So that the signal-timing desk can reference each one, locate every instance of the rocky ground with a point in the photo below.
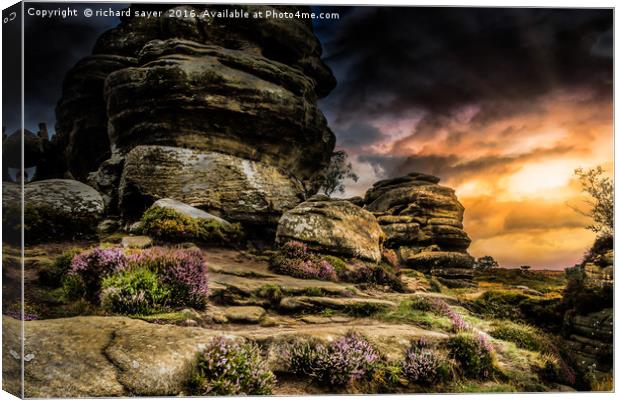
(107, 355)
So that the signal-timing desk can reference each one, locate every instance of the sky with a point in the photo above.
(501, 104)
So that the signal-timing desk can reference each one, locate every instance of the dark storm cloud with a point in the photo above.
(52, 47)
(451, 167)
(358, 135)
(389, 61)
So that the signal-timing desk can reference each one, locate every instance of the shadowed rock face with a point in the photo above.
(424, 222)
(245, 88)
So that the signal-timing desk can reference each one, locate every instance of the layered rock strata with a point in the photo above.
(213, 86)
(423, 221)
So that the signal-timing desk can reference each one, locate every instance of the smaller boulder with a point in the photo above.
(188, 211)
(245, 314)
(333, 226)
(136, 242)
(56, 208)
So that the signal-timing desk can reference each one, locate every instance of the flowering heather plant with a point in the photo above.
(345, 361)
(348, 359)
(304, 359)
(421, 364)
(295, 260)
(474, 353)
(93, 265)
(295, 249)
(183, 270)
(458, 323)
(228, 367)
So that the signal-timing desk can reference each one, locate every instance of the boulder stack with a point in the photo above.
(209, 89)
(423, 221)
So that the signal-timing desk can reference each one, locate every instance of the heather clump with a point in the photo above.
(423, 365)
(346, 361)
(231, 367)
(87, 269)
(183, 270)
(458, 323)
(143, 282)
(474, 353)
(295, 260)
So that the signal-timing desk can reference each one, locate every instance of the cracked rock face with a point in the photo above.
(333, 226)
(246, 89)
(423, 221)
(233, 188)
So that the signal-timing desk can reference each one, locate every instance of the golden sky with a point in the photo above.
(513, 174)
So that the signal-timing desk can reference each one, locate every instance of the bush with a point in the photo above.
(458, 323)
(73, 287)
(422, 365)
(295, 260)
(182, 270)
(305, 359)
(93, 265)
(135, 291)
(343, 362)
(165, 223)
(52, 276)
(227, 367)
(501, 304)
(339, 265)
(524, 336)
(474, 353)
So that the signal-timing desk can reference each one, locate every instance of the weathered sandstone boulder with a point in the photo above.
(333, 226)
(66, 197)
(209, 98)
(248, 89)
(81, 113)
(236, 189)
(55, 208)
(423, 221)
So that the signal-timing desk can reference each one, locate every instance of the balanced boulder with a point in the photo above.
(333, 226)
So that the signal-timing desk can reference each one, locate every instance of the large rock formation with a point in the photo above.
(333, 226)
(233, 188)
(423, 221)
(246, 89)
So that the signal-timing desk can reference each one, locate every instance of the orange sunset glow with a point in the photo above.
(515, 176)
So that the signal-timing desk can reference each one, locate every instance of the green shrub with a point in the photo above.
(339, 265)
(423, 365)
(474, 354)
(228, 367)
(53, 274)
(135, 291)
(165, 223)
(524, 336)
(305, 358)
(73, 287)
(501, 304)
